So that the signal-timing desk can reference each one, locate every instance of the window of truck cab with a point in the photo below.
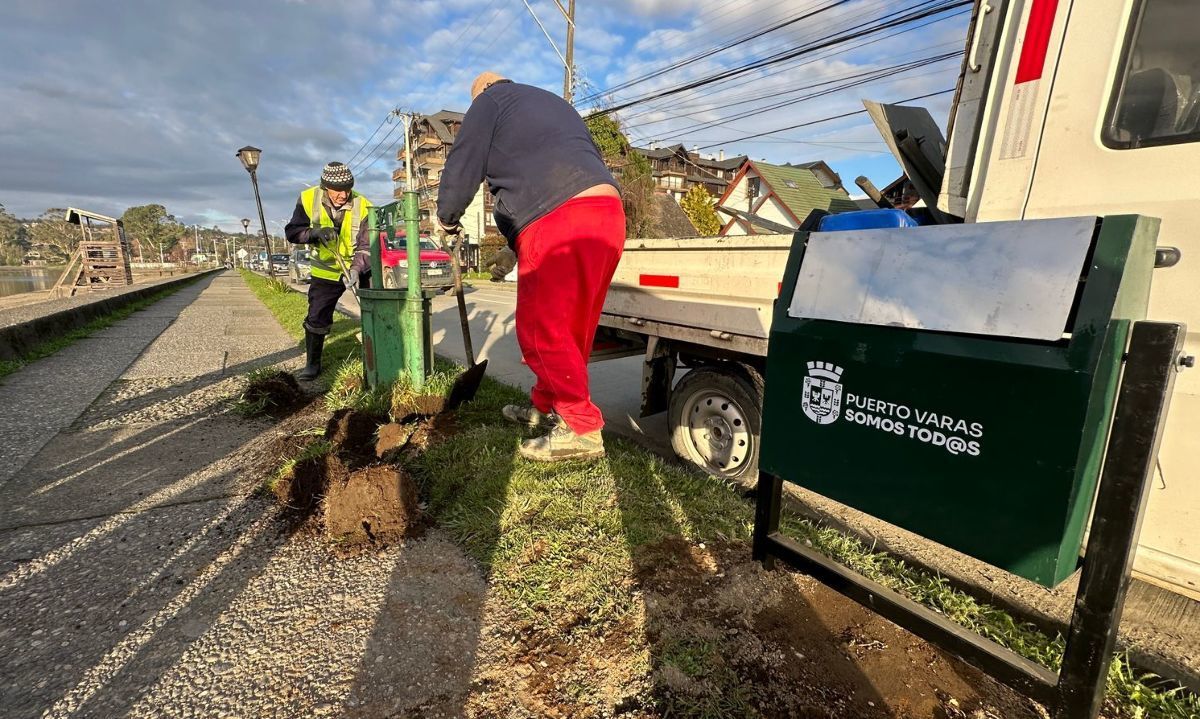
(1156, 98)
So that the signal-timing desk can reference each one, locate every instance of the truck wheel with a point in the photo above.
(715, 417)
(389, 278)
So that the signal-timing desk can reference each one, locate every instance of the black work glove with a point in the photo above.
(322, 235)
(501, 264)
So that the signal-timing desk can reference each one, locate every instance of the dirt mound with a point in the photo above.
(344, 493)
(272, 393)
(309, 482)
(352, 434)
(420, 406)
(392, 438)
(371, 506)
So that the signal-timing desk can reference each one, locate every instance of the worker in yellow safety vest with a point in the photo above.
(332, 218)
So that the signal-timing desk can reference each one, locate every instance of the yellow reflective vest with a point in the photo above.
(322, 259)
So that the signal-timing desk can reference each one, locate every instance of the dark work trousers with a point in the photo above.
(323, 296)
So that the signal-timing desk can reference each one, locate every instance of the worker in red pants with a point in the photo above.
(559, 207)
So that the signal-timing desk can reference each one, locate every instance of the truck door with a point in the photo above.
(1119, 132)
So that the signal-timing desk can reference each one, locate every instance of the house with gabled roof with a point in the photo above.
(782, 195)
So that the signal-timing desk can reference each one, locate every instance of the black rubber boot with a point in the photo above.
(313, 344)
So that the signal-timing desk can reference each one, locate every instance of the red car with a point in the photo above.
(435, 262)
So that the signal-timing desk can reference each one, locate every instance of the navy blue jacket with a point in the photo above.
(533, 149)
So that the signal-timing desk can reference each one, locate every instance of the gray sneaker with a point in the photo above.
(561, 444)
(528, 416)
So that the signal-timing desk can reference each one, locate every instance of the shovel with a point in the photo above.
(353, 290)
(468, 382)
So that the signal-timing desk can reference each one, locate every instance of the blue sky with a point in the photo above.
(110, 105)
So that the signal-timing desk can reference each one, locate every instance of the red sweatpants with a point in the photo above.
(565, 261)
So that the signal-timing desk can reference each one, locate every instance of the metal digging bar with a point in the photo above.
(1077, 690)
(467, 383)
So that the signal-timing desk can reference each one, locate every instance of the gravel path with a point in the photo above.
(141, 576)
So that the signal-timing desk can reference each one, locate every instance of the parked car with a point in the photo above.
(300, 270)
(435, 262)
(279, 263)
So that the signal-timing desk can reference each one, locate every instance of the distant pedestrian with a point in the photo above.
(560, 209)
(331, 217)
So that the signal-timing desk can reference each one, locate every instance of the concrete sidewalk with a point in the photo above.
(142, 576)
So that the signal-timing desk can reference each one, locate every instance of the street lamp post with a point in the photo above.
(249, 156)
(245, 231)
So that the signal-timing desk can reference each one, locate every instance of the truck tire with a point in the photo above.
(715, 417)
(389, 278)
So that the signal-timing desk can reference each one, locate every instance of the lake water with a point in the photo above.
(14, 281)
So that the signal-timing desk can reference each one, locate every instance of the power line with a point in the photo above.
(787, 67)
(721, 48)
(788, 55)
(821, 120)
(362, 163)
(823, 27)
(838, 84)
(368, 140)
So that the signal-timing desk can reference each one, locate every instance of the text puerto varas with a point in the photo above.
(823, 402)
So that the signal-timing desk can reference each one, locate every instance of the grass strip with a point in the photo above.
(291, 307)
(567, 540)
(62, 341)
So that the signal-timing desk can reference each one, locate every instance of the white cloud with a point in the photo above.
(148, 104)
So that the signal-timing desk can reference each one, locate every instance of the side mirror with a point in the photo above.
(1166, 257)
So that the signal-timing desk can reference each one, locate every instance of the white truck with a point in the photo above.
(1063, 108)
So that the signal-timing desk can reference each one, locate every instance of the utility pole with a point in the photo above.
(411, 326)
(569, 70)
(568, 60)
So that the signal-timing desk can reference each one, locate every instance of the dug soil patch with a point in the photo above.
(714, 635)
(274, 392)
(352, 434)
(418, 407)
(344, 494)
(372, 505)
(780, 643)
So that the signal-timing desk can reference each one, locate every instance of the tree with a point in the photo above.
(700, 209)
(52, 235)
(632, 171)
(153, 227)
(13, 241)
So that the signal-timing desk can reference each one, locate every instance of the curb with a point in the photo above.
(19, 339)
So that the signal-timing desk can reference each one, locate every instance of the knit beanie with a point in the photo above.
(336, 176)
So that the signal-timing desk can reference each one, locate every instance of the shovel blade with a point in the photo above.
(466, 386)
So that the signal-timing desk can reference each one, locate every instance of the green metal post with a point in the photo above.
(414, 360)
(376, 260)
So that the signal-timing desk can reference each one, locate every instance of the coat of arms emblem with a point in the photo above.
(822, 400)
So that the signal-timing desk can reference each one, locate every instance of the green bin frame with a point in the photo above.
(1017, 494)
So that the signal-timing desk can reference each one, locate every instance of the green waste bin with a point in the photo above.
(958, 380)
(383, 319)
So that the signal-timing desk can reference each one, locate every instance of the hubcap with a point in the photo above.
(717, 431)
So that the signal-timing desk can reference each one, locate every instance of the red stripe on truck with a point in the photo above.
(658, 280)
(1037, 40)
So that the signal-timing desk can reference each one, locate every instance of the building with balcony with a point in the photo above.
(676, 170)
(432, 139)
